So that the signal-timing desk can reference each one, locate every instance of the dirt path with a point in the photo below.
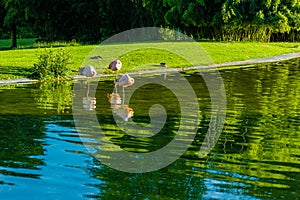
(165, 70)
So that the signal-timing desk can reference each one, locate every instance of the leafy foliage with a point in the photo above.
(93, 21)
(57, 94)
(52, 64)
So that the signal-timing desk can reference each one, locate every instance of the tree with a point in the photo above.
(121, 15)
(94, 20)
(3, 31)
(13, 17)
(235, 20)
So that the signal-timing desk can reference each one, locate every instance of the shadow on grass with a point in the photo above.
(16, 71)
(35, 47)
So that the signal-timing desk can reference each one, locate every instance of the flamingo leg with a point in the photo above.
(123, 96)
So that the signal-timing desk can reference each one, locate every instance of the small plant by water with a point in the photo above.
(52, 64)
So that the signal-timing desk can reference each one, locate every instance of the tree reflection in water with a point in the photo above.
(256, 157)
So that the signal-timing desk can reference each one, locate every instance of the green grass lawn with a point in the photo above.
(18, 63)
(235, 51)
(22, 43)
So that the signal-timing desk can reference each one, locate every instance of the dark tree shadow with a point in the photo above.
(16, 71)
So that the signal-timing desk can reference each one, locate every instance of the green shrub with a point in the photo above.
(52, 64)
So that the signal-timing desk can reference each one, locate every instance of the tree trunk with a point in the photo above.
(14, 36)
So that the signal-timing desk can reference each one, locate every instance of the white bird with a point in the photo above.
(88, 71)
(124, 81)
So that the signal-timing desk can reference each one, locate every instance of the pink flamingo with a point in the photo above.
(124, 81)
(115, 66)
(88, 71)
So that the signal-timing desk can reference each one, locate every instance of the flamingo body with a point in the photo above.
(124, 81)
(115, 65)
(88, 71)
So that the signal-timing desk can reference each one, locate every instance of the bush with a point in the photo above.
(52, 64)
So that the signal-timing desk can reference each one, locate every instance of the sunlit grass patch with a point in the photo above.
(237, 51)
(17, 63)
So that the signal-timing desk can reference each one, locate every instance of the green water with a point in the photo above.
(257, 156)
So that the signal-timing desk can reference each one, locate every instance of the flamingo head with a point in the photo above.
(80, 70)
(130, 82)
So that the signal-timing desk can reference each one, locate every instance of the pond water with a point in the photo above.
(257, 156)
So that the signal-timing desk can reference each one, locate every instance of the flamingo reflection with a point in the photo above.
(118, 107)
(115, 100)
(125, 112)
(89, 102)
(117, 103)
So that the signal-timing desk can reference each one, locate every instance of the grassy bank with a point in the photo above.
(17, 63)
